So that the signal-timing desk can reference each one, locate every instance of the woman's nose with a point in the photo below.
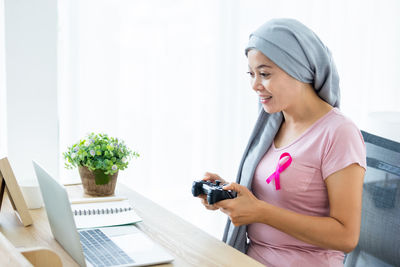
(256, 84)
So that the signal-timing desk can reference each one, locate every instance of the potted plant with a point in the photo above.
(98, 158)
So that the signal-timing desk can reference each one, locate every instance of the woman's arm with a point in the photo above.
(339, 231)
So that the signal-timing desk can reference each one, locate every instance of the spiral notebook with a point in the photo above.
(100, 214)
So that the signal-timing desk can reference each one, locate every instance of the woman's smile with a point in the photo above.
(265, 99)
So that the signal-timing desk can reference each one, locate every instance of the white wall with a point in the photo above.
(173, 84)
(31, 53)
(3, 117)
(31, 80)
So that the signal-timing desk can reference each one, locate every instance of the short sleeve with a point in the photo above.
(345, 147)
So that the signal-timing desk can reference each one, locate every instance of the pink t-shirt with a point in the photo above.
(329, 145)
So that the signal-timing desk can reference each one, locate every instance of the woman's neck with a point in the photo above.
(307, 110)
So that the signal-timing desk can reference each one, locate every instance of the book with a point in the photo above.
(101, 214)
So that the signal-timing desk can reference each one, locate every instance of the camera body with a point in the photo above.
(213, 191)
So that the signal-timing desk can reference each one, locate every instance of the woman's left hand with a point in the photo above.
(243, 209)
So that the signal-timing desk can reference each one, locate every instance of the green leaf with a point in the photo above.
(109, 151)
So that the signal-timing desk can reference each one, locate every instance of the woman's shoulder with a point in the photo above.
(337, 126)
(336, 121)
(343, 143)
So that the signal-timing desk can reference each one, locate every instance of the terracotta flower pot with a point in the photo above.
(95, 182)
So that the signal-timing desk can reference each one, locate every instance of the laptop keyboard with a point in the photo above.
(100, 250)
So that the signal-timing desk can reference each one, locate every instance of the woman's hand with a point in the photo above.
(212, 177)
(243, 209)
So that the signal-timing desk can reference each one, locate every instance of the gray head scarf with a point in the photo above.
(300, 53)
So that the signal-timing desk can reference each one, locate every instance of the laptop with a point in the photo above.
(106, 246)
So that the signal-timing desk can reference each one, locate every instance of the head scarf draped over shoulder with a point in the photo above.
(300, 53)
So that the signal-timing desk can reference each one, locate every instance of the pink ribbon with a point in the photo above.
(279, 169)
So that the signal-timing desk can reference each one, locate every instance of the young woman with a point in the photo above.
(300, 180)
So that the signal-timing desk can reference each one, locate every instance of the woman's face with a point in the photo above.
(277, 90)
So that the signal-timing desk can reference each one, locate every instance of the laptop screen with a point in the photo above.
(59, 213)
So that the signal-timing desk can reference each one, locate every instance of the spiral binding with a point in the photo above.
(101, 211)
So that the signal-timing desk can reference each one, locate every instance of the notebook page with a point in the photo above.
(89, 215)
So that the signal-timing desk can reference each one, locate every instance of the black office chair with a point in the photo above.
(379, 243)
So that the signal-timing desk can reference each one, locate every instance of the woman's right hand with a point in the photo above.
(212, 177)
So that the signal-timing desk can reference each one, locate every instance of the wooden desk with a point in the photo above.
(189, 245)
(37, 234)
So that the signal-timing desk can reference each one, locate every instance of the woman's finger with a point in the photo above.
(208, 206)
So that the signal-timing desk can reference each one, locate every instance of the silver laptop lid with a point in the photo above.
(59, 213)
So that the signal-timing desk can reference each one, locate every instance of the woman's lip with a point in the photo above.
(265, 100)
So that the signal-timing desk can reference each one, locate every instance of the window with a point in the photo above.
(169, 78)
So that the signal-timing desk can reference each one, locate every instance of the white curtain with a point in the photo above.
(3, 96)
(169, 77)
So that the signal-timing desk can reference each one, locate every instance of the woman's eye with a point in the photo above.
(264, 74)
(250, 73)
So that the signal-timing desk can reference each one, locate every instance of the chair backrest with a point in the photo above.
(379, 243)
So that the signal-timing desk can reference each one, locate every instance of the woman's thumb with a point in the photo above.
(233, 186)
